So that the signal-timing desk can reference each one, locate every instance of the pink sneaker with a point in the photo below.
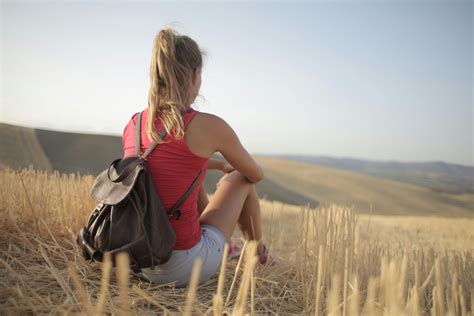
(265, 259)
(233, 252)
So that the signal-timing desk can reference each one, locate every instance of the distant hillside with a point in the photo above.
(438, 175)
(20, 148)
(83, 153)
(366, 193)
(90, 154)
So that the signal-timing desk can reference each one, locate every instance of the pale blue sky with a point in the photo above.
(387, 80)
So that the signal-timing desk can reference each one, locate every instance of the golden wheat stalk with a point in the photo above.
(123, 272)
(237, 268)
(320, 280)
(218, 300)
(250, 261)
(192, 289)
(333, 297)
(346, 281)
(104, 284)
(354, 304)
(80, 289)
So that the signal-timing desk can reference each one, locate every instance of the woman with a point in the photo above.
(192, 138)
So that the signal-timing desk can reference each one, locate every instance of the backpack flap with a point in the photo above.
(115, 183)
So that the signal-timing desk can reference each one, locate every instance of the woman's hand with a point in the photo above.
(227, 168)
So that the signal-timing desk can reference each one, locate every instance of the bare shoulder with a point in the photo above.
(209, 125)
(204, 132)
(204, 119)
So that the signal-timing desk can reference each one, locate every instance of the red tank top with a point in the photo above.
(172, 167)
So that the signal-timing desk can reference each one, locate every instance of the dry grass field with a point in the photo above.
(332, 261)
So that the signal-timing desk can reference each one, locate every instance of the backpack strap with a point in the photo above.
(137, 134)
(175, 210)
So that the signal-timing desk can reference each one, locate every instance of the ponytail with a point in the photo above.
(175, 58)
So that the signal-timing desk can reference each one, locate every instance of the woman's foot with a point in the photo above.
(233, 252)
(264, 258)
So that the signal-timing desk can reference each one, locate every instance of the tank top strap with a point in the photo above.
(188, 117)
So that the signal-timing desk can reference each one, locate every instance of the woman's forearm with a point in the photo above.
(215, 164)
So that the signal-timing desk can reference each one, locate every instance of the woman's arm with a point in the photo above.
(224, 166)
(214, 164)
(228, 144)
(208, 134)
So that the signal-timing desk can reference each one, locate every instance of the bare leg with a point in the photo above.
(235, 200)
(250, 220)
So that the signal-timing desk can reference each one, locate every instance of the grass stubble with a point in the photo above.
(329, 263)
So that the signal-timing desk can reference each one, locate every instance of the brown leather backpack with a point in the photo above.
(130, 216)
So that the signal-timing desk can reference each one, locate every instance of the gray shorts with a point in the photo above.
(179, 267)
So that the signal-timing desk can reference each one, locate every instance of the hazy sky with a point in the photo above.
(388, 80)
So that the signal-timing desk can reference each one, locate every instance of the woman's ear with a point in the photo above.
(196, 74)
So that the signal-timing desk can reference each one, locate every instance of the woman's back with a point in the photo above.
(173, 167)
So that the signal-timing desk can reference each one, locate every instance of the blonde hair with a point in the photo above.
(174, 61)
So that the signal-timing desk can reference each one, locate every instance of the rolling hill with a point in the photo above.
(365, 193)
(83, 153)
(435, 175)
(20, 148)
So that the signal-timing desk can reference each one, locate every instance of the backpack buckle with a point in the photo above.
(176, 214)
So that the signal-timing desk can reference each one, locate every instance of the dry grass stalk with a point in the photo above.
(250, 261)
(192, 288)
(402, 283)
(237, 268)
(333, 297)
(33, 213)
(346, 282)
(218, 300)
(319, 281)
(462, 301)
(354, 301)
(454, 300)
(472, 301)
(439, 302)
(123, 272)
(369, 306)
(252, 293)
(104, 284)
(80, 289)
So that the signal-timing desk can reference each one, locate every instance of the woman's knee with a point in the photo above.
(236, 178)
